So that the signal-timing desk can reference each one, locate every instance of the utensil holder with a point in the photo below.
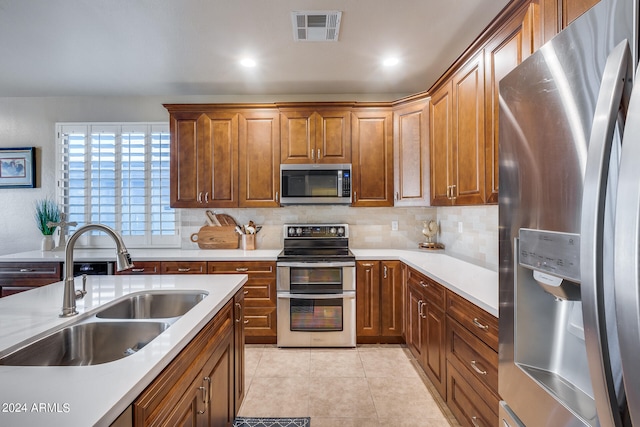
(248, 242)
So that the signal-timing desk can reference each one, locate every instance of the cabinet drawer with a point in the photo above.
(434, 292)
(260, 321)
(31, 271)
(141, 267)
(471, 402)
(260, 292)
(253, 267)
(183, 267)
(479, 322)
(469, 353)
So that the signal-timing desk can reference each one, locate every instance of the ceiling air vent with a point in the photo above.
(316, 25)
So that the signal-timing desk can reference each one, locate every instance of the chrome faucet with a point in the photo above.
(123, 262)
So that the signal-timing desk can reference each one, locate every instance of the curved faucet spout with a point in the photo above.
(123, 262)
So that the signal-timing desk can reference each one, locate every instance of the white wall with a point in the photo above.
(31, 122)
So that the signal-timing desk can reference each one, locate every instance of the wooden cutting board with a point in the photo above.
(223, 237)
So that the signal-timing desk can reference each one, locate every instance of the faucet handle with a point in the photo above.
(83, 292)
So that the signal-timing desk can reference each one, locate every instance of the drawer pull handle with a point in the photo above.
(367, 264)
(480, 325)
(423, 284)
(137, 270)
(184, 270)
(27, 270)
(474, 421)
(242, 269)
(246, 321)
(245, 292)
(474, 365)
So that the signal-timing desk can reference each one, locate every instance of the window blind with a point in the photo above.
(117, 174)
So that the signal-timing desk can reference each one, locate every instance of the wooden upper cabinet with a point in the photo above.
(372, 156)
(411, 154)
(457, 137)
(468, 133)
(502, 54)
(440, 129)
(203, 171)
(315, 136)
(555, 15)
(259, 158)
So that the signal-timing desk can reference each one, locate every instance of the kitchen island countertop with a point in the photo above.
(94, 395)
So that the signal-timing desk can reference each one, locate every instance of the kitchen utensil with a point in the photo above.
(217, 237)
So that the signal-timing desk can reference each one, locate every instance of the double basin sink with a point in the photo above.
(117, 330)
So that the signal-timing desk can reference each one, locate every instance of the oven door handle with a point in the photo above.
(317, 264)
(351, 295)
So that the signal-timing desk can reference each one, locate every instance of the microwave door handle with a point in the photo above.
(592, 232)
(283, 295)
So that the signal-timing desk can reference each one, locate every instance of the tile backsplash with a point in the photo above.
(371, 227)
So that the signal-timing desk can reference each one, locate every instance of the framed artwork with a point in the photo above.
(17, 167)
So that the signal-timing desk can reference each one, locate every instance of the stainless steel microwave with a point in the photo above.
(315, 184)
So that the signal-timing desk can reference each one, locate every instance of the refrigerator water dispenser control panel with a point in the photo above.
(551, 252)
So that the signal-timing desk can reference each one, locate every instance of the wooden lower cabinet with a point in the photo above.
(259, 297)
(22, 276)
(183, 267)
(238, 348)
(472, 363)
(425, 329)
(142, 267)
(379, 302)
(198, 387)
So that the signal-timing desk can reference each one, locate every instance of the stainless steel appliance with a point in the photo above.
(316, 287)
(568, 219)
(303, 184)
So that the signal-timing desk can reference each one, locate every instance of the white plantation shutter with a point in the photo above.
(117, 175)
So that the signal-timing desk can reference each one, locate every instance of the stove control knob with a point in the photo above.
(292, 231)
(332, 230)
(340, 231)
(299, 231)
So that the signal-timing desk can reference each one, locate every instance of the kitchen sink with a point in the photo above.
(89, 343)
(152, 305)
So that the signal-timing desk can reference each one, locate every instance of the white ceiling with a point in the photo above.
(192, 47)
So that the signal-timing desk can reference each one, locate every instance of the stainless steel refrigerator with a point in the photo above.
(569, 228)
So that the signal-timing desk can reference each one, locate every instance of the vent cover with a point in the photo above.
(316, 25)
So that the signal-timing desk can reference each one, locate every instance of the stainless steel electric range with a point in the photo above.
(316, 287)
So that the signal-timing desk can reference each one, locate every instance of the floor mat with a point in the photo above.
(271, 422)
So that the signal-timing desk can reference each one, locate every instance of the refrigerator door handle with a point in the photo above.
(592, 233)
(627, 256)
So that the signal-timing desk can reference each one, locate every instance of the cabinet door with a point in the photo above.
(368, 299)
(391, 300)
(259, 154)
(502, 54)
(411, 155)
(372, 154)
(218, 377)
(297, 136)
(415, 325)
(184, 162)
(435, 346)
(572, 9)
(220, 153)
(238, 348)
(468, 133)
(333, 136)
(440, 114)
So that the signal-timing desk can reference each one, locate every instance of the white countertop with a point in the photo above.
(94, 395)
(477, 284)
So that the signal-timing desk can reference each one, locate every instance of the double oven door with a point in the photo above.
(316, 304)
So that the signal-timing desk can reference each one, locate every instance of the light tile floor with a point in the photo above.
(371, 385)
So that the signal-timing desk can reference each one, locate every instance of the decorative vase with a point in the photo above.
(47, 243)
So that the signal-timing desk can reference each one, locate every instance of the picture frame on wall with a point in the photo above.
(17, 167)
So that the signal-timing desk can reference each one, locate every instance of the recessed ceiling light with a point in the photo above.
(248, 62)
(390, 62)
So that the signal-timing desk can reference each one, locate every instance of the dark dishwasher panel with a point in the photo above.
(100, 268)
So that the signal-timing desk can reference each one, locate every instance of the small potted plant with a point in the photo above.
(46, 211)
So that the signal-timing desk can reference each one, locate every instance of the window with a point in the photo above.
(117, 175)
